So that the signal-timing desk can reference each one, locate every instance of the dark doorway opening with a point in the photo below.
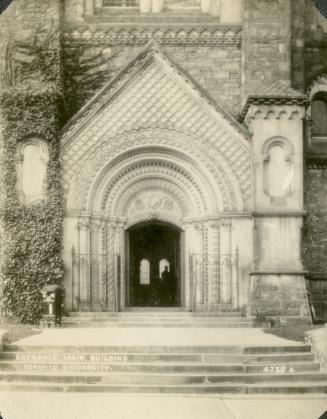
(154, 266)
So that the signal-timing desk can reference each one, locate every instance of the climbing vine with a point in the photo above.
(32, 242)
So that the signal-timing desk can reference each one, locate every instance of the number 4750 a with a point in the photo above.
(280, 369)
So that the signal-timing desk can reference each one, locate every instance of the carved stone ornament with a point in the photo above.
(161, 126)
(189, 35)
(154, 201)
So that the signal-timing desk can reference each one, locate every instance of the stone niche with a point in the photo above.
(31, 167)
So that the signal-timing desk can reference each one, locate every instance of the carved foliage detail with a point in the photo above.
(153, 201)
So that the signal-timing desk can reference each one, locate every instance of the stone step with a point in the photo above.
(154, 357)
(161, 349)
(161, 322)
(160, 368)
(264, 388)
(167, 358)
(214, 324)
(164, 314)
(158, 322)
(158, 379)
(153, 319)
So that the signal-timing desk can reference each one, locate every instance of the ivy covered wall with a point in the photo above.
(31, 105)
(33, 232)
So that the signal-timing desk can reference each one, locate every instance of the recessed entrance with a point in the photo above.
(154, 255)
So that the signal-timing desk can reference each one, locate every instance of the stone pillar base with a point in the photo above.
(279, 296)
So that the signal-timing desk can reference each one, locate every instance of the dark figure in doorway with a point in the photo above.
(167, 291)
(58, 304)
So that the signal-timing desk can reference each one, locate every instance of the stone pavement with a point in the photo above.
(138, 336)
(126, 406)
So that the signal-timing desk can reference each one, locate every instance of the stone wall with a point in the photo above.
(283, 296)
(309, 44)
(29, 32)
(315, 238)
(215, 69)
(266, 44)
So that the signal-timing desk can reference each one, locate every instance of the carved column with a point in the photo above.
(121, 270)
(214, 267)
(187, 271)
(112, 285)
(96, 267)
(225, 269)
(84, 263)
(200, 268)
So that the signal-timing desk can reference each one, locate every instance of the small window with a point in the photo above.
(319, 114)
(162, 266)
(145, 272)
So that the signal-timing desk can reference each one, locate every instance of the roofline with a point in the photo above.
(108, 86)
(143, 55)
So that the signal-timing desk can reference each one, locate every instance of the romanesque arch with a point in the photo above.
(157, 152)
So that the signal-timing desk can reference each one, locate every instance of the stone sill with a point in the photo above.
(279, 272)
(285, 213)
(317, 276)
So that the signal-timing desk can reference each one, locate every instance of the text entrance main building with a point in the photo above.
(176, 141)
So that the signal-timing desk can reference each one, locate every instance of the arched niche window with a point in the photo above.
(278, 169)
(162, 266)
(31, 167)
(319, 114)
(144, 272)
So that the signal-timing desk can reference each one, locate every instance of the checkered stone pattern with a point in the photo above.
(154, 99)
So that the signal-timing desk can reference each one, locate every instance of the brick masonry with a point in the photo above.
(266, 44)
(316, 205)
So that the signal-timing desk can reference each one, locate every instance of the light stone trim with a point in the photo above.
(217, 35)
(43, 148)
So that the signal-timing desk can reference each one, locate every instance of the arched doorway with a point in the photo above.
(154, 265)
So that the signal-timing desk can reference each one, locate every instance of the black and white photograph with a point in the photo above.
(163, 209)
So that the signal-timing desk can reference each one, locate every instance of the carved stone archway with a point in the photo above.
(149, 145)
(144, 184)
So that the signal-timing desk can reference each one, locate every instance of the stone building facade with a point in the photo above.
(194, 139)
